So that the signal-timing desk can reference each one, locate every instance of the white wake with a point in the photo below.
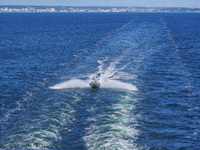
(106, 77)
(105, 83)
(73, 83)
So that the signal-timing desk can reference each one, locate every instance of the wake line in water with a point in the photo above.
(114, 130)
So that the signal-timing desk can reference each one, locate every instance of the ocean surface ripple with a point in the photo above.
(147, 64)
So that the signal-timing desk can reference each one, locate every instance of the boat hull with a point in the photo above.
(94, 86)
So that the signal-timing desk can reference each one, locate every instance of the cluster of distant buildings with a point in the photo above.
(92, 9)
(30, 9)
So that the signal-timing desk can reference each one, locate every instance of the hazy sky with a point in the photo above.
(147, 3)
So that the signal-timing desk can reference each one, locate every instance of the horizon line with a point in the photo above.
(100, 6)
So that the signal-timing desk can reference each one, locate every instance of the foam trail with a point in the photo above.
(106, 78)
(107, 82)
(74, 83)
(115, 84)
(114, 130)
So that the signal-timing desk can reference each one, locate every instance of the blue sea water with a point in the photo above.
(147, 64)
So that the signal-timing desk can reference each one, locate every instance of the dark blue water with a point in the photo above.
(147, 64)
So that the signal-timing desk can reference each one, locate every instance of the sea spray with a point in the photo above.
(105, 77)
(74, 83)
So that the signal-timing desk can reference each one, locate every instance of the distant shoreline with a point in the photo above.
(74, 9)
(89, 12)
